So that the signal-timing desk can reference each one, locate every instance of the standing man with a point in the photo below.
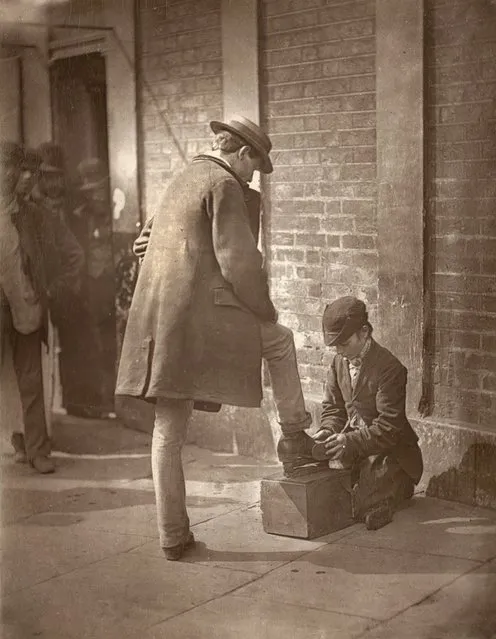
(27, 181)
(201, 319)
(22, 318)
(39, 261)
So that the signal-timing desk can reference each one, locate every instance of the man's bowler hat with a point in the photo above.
(32, 160)
(252, 134)
(92, 173)
(52, 158)
(342, 318)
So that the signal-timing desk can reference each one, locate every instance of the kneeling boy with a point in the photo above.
(364, 426)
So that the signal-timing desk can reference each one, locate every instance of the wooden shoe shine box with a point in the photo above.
(307, 507)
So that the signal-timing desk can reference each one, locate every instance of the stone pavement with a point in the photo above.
(80, 557)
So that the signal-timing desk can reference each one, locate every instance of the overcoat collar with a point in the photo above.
(223, 164)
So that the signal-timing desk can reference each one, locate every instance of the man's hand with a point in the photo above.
(141, 244)
(335, 445)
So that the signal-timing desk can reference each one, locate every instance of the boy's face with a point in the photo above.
(352, 347)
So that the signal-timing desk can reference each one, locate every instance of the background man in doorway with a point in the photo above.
(201, 319)
(91, 223)
(80, 367)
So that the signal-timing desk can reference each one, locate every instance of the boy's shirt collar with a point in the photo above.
(357, 361)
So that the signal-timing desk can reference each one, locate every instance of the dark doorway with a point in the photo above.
(88, 360)
(79, 99)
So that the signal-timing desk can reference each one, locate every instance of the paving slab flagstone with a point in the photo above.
(242, 618)
(117, 598)
(465, 609)
(32, 553)
(81, 557)
(237, 541)
(436, 527)
(370, 582)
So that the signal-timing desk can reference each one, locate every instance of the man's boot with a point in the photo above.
(295, 452)
(42, 464)
(17, 441)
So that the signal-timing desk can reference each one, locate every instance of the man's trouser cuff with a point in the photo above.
(289, 428)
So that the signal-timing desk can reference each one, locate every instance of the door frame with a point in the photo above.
(116, 44)
(113, 36)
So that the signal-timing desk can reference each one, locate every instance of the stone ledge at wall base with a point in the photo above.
(306, 507)
(135, 413)
(459, 462)
(252, 432)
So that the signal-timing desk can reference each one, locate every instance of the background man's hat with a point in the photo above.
(11, 154)
(252, 134)
(342, 318)
(92, 173)
(52, 158)
(32, 160)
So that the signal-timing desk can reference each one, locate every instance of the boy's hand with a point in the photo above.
(336, 446)
(323, 435)
(333, 444)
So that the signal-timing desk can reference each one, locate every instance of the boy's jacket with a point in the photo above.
(379, 399)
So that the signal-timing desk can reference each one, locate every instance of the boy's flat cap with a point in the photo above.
(342, 318)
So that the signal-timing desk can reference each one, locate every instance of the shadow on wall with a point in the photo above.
(473, 481)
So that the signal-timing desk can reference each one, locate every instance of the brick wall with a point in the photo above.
(318, 104)
(181, 61)
(461, 178)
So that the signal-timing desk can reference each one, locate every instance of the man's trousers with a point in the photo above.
(26, 355)
(171, 424)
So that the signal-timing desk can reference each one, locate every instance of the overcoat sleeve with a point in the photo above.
(386, 429)
(334, 415)
(235, 248)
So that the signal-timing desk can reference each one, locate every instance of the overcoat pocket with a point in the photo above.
(225, 297)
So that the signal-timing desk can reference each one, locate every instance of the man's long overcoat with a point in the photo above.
(194, 325)
(52, 258)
